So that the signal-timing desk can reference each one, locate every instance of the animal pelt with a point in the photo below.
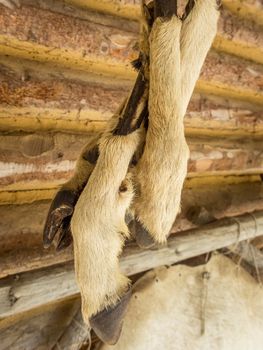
(217, 306)
(98, 225)
(177, 53)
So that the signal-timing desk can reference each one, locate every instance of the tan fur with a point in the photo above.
(163, 167)
(198, 32)
(98, 225)
(178, 309)
(83, 168)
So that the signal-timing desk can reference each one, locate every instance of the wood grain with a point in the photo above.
(21, 247)
(22, 293)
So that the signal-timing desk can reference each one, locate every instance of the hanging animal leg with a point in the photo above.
(166, 153)
(198, 32)
(98, 223)
(99, 229)
(62, 206)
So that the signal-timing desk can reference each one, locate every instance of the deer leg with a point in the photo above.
(159, 193)
(62, 206)
(198, 32)
(163, 129)
(98, 223)
(129, 118)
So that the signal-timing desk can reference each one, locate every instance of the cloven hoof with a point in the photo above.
(142, 235)
(107, 324)
(60, 210)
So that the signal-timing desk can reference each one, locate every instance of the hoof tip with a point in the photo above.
(142, 235)
(107, 324)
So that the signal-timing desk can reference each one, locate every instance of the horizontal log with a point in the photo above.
(21, 293)
(30, 161)
(21, 232)
(91, 45)
(251, 10)
(39, 98)
(235, 34)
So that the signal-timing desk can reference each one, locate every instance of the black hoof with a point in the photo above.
(61, 207)
(107, 324)
(142, 235)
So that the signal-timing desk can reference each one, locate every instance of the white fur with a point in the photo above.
(177, 53)
(177, 309)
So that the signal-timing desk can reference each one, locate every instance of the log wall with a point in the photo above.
(64, 69)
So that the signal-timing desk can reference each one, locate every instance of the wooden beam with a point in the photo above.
(40, 161)
(40, 97)
(22, 293)
(238, 36)
(21, 247)
(39, 331)
(95, 46)
(250, 10)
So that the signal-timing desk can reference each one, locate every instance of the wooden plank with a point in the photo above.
(40, 161)
(34, 97)
(34, 289)
(39, 331)
(21, 246)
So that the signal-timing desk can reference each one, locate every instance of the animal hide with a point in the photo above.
(217, 306)
(177, 53)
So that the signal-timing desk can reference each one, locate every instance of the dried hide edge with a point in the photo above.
(177, 53)
(98, 225)
(217, 306)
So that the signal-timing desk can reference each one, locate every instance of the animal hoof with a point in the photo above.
(65, 236)
(142, 235)
(60, 211)
(107, 324)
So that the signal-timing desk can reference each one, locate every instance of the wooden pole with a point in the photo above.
(37, 289)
